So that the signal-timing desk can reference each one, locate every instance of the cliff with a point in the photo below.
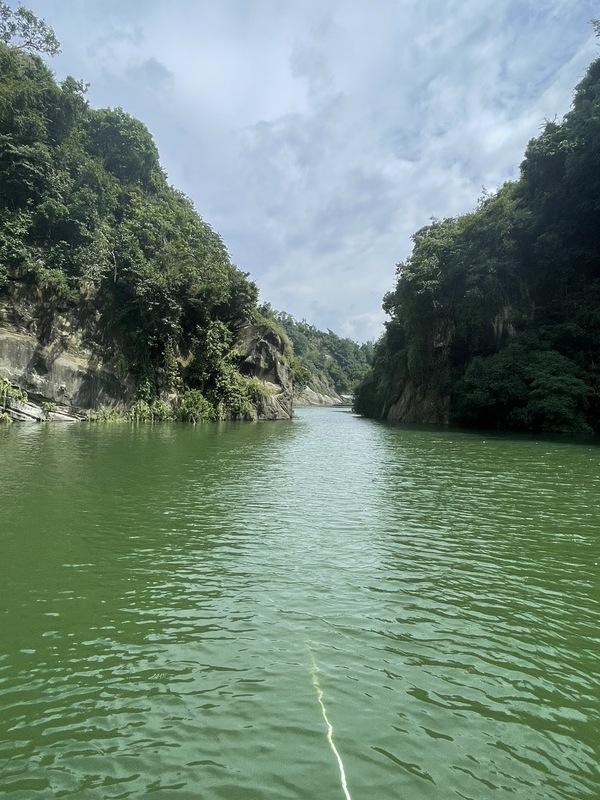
(69, 364)
(318, 391)
(262, 353)
(495, 316)
(115, 294)
(57, 353)
(327, 367)
(312, 397)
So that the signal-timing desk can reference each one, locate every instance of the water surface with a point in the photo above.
(170, 596)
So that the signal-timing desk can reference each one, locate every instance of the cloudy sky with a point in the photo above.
(316, 136)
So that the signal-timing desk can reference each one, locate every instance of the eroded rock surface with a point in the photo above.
(65, 358)
(309, 397)
(263, 356)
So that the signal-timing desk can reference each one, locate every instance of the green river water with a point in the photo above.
(179, 608)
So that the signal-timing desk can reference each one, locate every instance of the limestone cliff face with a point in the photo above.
(262, 353)
(312, 397)
(65, 356)
(423, 395)
(319, 391)
(58, 354)
(426, 398)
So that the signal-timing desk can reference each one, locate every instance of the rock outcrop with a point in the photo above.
(58, 372)
(263, 356)
(310, 397)
(55, 354)
(319, 391)
(68, 364)
(421, 404)
(41, 411)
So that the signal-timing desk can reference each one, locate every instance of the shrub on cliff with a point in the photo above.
(194, 407)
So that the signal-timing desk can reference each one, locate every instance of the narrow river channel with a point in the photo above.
(321, 609)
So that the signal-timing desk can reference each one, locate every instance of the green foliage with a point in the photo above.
(154, 411)
(48, 408)
(266, 316)
(107, 414)
(245, 397)
(10, 392)
(214, 371)
(301, 374)
(255, 390)
(523, 388)
(375, 392)
(320, 357)
(25, 31)
(194, 407)
(123, 145)
(499, 309)
(88, 221)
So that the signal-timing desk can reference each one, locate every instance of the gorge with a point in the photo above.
(218, 578)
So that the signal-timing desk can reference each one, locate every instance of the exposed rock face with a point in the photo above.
(29, 411)
(420, 404)
(72, 377)
(319, 392)
(424, 398)
(309, 397)
(428, 400)
(64, 357)
(263, 357)
(51, 353)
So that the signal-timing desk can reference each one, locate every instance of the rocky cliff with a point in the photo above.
(319, 391)
(57, 353)
(263, 357)
(327, 366)
(494, 319)
(114, 292)
(420, 404)
(68, 363)
(311, 397)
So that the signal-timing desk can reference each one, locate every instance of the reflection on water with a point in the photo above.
(162, 590)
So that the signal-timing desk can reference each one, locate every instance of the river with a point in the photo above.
(321, 609)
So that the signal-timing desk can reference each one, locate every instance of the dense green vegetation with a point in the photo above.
(323, 359)
(8, 392)
(88, 220)
(495, 318)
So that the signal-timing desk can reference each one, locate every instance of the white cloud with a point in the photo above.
(317, 137)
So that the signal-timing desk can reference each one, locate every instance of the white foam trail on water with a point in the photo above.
(317, 685)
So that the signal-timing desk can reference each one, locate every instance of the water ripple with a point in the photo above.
(161, 585)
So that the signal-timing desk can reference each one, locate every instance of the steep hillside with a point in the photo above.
(327, 366)
(113, 290)
(495, 318)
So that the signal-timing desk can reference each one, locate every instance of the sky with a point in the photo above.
(317, 136)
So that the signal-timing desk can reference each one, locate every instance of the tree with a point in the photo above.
(24, 31)
(324, 361)
(495, 316)
(88, 220)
